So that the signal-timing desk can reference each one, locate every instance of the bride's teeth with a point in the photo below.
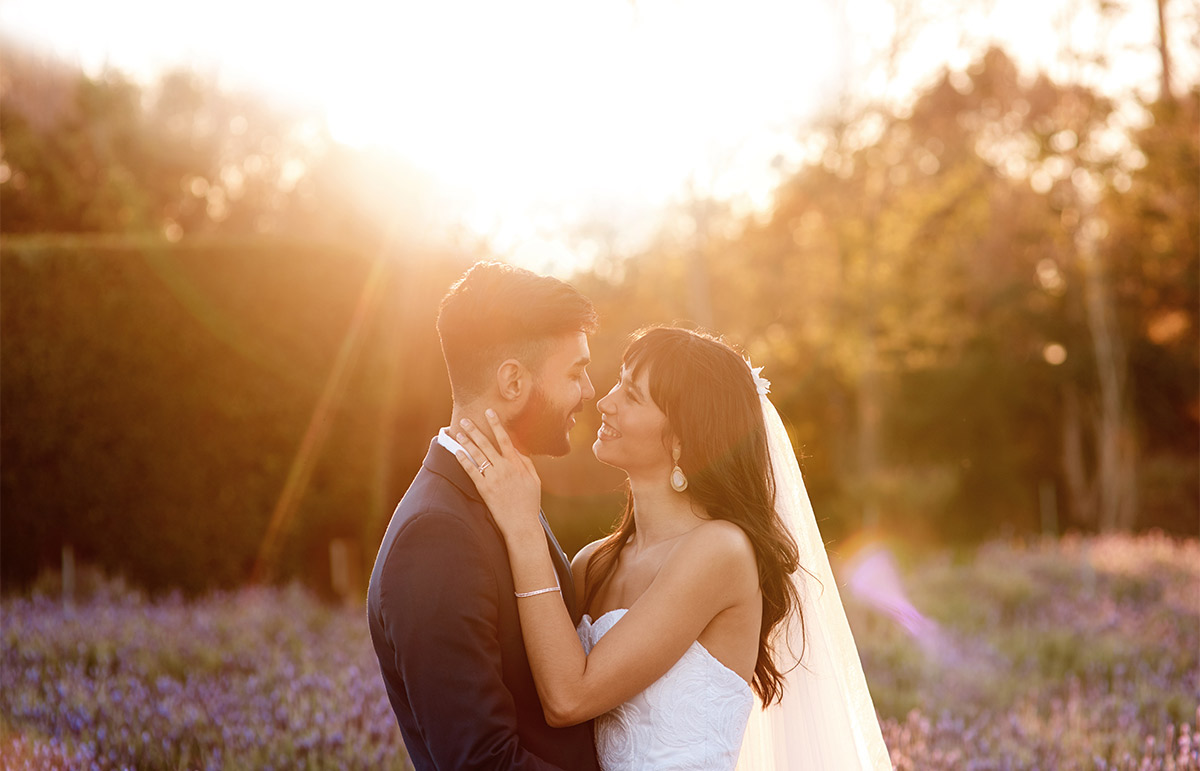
(608, 432)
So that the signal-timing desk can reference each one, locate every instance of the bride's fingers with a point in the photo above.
(468, 465)
(502, 441)
(476, 455)
(480, 439)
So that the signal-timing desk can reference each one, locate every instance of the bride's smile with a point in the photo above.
(633, 433)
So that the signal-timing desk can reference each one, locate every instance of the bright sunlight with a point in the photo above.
(536, 118)
(532, 114)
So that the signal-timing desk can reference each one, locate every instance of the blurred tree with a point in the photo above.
(1086, 162)
(928, 294)
(103, 155)
(1152, 243)
(906, 252)
(63, 136)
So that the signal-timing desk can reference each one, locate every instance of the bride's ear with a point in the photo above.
(512, 380)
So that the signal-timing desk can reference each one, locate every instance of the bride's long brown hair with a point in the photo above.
(709, 396)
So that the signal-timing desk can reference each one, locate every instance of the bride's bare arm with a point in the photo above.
(705, 575)
(711, 570)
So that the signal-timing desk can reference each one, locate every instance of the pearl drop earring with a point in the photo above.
(678, 480)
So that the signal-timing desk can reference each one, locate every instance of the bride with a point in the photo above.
(714, 591)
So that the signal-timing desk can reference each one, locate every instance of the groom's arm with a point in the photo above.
(438, 599)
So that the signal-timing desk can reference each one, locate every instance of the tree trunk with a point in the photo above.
(1115, 457)
(1165, 90)
(1081, 496)
(869, 409)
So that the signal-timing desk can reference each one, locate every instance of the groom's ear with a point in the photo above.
(512, 380)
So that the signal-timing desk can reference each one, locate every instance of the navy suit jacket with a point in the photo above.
(445, 627)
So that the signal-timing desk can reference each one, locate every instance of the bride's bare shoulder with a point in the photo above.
(717, 547)
(723, 536)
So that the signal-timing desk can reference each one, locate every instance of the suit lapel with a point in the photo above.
(440, 461)
(562, 566)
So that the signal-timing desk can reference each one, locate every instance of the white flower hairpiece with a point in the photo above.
(761, 384)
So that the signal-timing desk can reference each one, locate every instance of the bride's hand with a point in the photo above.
(505, 478)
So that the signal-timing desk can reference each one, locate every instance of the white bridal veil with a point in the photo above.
(826, 721)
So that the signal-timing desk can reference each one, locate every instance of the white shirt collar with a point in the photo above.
(447, 441)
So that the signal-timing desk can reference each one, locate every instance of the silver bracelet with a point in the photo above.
(536, 592)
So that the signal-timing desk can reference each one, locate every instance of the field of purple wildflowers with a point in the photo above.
(1077, 653)
(258, 679)
(1080, 653)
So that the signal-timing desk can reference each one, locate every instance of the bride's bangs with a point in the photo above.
(658, 349)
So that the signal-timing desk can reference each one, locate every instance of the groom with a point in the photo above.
(441, 604)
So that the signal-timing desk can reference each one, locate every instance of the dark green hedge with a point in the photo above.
(154, 397)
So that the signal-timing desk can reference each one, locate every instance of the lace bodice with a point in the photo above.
(693, 717)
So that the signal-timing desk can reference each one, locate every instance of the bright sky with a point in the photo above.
(538, 115)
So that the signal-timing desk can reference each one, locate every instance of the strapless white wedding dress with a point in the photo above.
(693, 717)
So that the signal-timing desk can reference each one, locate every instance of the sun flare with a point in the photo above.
(517, 106)
(530, 114)
(535, 118)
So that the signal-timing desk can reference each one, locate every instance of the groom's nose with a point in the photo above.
(589, 391)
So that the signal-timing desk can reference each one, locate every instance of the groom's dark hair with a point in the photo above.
(497, 312)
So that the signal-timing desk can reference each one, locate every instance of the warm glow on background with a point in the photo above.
(537, 117)
(961, 236)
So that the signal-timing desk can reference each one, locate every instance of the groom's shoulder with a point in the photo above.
(433, 518)
(433, 496)
(436, 504)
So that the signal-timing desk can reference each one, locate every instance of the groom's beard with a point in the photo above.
(541, 427)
